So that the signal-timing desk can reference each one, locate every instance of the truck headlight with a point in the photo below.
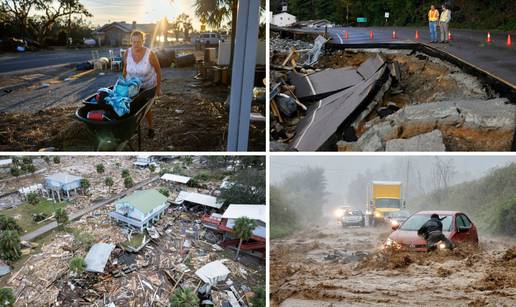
(394, 223)
(442, 246)
(377, 214)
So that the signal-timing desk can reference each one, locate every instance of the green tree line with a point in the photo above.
(473, 14)
(297, 201)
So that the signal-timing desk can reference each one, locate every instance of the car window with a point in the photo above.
(416, 221)
(459, 222)
(462, 221)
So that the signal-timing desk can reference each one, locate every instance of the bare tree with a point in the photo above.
(442, 174)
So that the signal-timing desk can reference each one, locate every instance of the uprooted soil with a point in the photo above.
(423, 80)
(304, 274)
(190, 116)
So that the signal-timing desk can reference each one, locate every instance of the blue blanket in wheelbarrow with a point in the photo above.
(121, 96)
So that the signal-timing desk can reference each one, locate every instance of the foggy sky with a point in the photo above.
(340, 170)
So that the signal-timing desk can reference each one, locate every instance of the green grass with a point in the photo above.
(281, 231)
(23, 213)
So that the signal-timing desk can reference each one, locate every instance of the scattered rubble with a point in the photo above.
(174, 249)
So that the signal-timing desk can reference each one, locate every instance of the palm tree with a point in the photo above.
(100, 168)
(61, 217)
(109, 183)
(9, 223)
(6, 297)
(32, 198)
(10, 245)
(243, 228)
(215, 11)
(184, 298)
(85, 185)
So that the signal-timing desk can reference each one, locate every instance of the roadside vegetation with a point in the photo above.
(490, 201)
(471, 14)
(297, 201)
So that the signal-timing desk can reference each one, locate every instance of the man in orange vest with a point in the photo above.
(433, 17)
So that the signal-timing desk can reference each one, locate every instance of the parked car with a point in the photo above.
(209, 38)
(353, 217)
(457, 227)
(396, 217)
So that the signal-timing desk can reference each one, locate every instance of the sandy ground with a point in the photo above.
(335, 266)
(190, 116)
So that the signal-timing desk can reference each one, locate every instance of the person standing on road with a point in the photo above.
(433, 17)
(444, 22)
(141, 62)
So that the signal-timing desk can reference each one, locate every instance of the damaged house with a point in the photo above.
(59, 185)
(144, 161)
(197, 201)
(140, 209)
(177, 181)
(224, 224)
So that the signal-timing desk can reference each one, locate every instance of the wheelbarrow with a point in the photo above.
(115, 134)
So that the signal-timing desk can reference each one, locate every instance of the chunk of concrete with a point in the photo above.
(432, 141)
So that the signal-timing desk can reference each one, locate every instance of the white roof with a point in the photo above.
(255, 212)
(32, 188)
(283, 13)
(6, 162)
(98, 256)
(197, 198)
(63, 178)
(386, 182)
(175, 178)
(213, 272)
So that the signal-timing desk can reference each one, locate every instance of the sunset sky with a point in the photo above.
(141, 11)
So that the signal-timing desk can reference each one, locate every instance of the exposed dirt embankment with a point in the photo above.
(332, 266)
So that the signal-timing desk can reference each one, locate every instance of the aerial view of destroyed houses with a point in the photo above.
(366, 76)
(130, 75)
(132, 231)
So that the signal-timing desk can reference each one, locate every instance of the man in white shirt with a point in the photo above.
(444, 21)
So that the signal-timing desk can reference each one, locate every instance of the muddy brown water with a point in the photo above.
(301, 276)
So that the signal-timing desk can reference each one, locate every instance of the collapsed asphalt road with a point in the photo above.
(334, 266)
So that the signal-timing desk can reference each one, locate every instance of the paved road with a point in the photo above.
(16, 62)
(495, 58)
(53, 225)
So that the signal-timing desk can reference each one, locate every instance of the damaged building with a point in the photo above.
(59, 185)
(140, 209)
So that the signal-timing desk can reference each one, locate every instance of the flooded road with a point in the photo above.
(334, 266)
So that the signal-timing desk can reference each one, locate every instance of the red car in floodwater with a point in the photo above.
(457, 227)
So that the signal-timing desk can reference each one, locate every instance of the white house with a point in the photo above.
(144, 161)
(140, 209)
(283, 19)
(61, 183)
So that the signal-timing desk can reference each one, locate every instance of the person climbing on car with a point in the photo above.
(432, 232)
(142, 63)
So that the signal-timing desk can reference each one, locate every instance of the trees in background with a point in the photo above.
(42, 19)
(475, 14)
